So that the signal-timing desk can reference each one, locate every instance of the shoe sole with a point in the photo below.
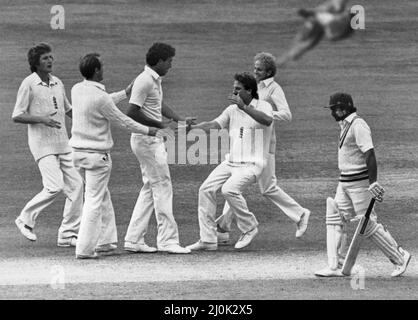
(64, 245)
(86, 257)
(239, 248)
(329, 276)
(178, 252)
(172, 252)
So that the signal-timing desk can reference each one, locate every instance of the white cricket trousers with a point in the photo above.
(267, 183)
(156, 193)
(352, 199)
(58, 175)
(232, 180)
(98, 226)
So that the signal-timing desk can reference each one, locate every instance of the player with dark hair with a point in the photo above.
(330, 20)
(94, 111)
(159, 51)
(42, 104)
(249, 126)
(89, 64)
(269, 90)
(357, 184)
(146, 106)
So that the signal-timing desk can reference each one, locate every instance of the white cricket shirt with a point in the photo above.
(37, 98)
(249, 140)
(358, 140)
(147, 93)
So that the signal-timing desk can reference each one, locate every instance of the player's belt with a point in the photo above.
(355, 176)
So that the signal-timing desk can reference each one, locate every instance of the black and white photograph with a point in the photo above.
(228, 151)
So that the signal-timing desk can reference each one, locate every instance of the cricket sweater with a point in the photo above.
(93, 112)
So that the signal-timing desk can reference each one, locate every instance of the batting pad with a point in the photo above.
(333, 216)
(334, 236)
(385, 242)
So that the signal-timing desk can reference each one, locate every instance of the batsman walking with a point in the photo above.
(357, 185)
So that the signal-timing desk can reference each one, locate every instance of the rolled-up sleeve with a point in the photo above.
(224, 117)
(22, 100)
(363, 135)
(140, 91)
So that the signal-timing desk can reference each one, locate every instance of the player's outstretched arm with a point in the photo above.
(171, 114)
(136, 114)
(121, 95)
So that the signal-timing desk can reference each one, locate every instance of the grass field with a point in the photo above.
(214, 40)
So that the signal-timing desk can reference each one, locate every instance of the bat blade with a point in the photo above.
(355, 244)
(354, 249)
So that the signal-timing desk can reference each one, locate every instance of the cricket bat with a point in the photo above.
(355, 244)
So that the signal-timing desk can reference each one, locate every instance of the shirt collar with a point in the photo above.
(153, 74)
(350, 118)
(347, 120)
(94, 84)
(267, 82)
(38, 80)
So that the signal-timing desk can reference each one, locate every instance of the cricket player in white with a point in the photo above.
(270, 91)
(250, 130)
(94, 111)
(147, 106)
(358, 183)
(42, 104)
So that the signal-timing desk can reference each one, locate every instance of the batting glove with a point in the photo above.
(377, 191)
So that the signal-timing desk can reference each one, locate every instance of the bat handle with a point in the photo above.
(370, 208)
(367, 215)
